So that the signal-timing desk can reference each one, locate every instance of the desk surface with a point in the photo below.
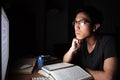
(17, 76)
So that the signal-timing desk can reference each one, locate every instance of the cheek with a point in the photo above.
(85, 32)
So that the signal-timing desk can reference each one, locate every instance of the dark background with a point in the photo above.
(45, 26)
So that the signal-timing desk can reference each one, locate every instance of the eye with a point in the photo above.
(82, 22)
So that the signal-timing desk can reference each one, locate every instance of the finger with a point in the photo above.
(74, 42)
(78, 41)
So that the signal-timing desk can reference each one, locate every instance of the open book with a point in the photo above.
(65, 71)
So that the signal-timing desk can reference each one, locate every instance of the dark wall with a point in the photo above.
(37, 26)
(110, 10)
(56, 23)
(22, 27)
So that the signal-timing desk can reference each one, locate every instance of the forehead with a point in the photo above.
(81, 15)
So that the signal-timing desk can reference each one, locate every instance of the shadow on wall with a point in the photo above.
(61, 49)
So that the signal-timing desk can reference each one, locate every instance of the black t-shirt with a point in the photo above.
(105, 48)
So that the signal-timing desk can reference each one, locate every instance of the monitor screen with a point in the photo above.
(4, 43)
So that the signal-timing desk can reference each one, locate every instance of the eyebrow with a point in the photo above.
(84, 19)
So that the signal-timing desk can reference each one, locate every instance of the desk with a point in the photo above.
(17, 76)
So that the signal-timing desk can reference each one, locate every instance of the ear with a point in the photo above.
(96, 27)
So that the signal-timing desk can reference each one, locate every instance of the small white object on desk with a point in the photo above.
(40, 78)
(25, 66)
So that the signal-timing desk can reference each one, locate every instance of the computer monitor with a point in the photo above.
(4, 34)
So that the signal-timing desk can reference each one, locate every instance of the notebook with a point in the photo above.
(65, 71)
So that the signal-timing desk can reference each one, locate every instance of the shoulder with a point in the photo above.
(106, 38)
(106, 41)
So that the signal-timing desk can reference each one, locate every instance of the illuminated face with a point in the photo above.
(82, 26)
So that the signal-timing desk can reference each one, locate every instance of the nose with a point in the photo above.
(77, 26)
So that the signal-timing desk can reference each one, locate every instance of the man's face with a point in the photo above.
(82, 26)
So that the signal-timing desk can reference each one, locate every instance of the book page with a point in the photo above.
(71, 73)
(43, 73)
(57, 66)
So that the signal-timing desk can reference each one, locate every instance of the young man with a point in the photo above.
(95, 53)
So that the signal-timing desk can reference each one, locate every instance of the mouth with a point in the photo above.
(77, 33)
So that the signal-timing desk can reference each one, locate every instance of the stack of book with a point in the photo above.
(64, 71)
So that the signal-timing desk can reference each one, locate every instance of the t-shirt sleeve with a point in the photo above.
(110, 49)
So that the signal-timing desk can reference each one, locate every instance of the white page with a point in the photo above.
(71, 73)
(57, 66)
(45, 74)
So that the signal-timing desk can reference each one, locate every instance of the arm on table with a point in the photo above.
(109, 70)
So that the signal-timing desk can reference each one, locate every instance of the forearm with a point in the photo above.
(68, 56)
(100, 75)
(73, 49)
(109, 70)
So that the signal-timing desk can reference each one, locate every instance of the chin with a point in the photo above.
(79, 37)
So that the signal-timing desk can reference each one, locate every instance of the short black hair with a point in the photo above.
(93, 13)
